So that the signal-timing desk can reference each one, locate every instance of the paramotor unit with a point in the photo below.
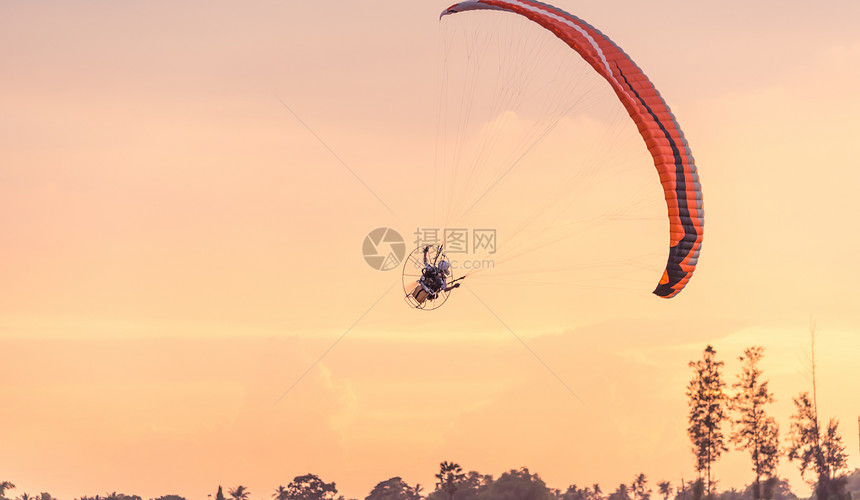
(427, 279)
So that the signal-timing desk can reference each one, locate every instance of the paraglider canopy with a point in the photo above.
(652, 116)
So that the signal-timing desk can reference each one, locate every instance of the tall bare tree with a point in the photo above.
(821, 453)
(707, 402)
(753, 430)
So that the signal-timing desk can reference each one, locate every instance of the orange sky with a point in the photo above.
(177, 249)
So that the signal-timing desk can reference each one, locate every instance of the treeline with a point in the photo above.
(454, 484)
(718, 417)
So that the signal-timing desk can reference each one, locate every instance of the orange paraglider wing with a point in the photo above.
(656, 124)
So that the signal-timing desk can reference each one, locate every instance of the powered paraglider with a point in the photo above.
(427, 279)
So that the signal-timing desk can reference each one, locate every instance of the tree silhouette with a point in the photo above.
(752, 429)
(310, 487)
(468, 488)
(239, 493)
(393, 489)
(772, 488)
(639, 488)
(449, 475)
(575, 493)
(112, 496)
(517, 484)
(683, 492)
(707, 412)
(5, 485)
(620, 493)
(852, 483)
(281, 493)
(220, 495)
(822, 454)
(665, 489)
(696, 489)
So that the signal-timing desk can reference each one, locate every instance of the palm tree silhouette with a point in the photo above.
(281, 494)
(665, 489)
(240, 493)
(449, 475)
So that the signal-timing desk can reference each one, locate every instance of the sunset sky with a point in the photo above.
(184, 192)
